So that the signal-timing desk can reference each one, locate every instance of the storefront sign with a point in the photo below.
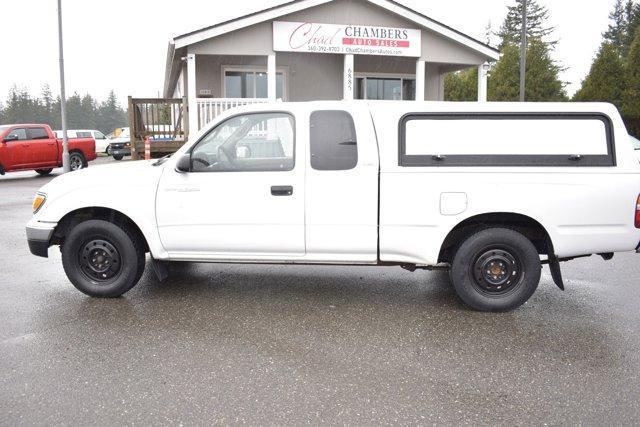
(345, 39)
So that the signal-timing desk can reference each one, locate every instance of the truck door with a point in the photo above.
(243, 196)
(342, 186)
(42, 150)
(15, 149)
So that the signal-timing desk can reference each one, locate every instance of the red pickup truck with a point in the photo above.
(35, 147)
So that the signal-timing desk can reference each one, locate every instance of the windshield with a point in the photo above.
(636, 142)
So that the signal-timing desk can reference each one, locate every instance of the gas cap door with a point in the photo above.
(453, 203)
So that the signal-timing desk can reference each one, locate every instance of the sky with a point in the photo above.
(122, 44)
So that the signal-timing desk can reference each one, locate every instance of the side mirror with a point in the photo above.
(184, 163)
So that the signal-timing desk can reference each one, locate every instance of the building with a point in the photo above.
(319, 50)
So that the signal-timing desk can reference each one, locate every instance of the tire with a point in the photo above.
(496, 269)
(77, 161)
(118, 156)
(118, 263)
(108, 150)
(44, 172)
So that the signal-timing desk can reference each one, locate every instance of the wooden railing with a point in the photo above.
(162, 120)
(210, 108)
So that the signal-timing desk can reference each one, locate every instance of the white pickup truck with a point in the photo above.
(488, 191)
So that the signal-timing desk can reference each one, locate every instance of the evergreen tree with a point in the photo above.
(542, 81)
(625, 20)
(110, 115)
(605, 81)
(632, 12)
(617, 32)
(74, 112)
(537, 18)
(631, 96)
(461, 85)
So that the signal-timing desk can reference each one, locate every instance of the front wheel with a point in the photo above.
(44, 172)
(77, 161)
(118, 156)
(496, 269)
(102, 259)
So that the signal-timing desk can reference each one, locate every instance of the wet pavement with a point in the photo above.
(287, 344)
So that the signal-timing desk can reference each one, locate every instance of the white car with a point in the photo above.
(102, 143)
(489, 191)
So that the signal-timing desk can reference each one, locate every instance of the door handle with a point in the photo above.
(281, 190)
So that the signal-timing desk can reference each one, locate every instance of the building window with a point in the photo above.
(389, 88)
(250, 84)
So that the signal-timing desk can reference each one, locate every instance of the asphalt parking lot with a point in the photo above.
(338, 345)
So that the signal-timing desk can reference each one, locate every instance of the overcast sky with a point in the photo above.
(121, 44)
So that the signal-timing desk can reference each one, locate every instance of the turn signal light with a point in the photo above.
(638, 213)
(38, 201)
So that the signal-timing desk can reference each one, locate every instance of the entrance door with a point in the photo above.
(243, 196)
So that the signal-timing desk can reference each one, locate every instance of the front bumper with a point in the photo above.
(38, 237)
(120, 151)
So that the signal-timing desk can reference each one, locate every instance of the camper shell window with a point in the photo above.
(506, 139)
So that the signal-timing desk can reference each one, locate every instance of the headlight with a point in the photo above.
(38, 201)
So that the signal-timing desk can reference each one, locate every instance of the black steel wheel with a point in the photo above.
(496, 269)
(99, 260)
(103, 259)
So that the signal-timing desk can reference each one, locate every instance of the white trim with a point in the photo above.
(271, 78)
(386, 75)
(348, 78)
(192, 94)
(437, 27)
(420, 80)
(205, 34)
(482, 83)
(284, 70)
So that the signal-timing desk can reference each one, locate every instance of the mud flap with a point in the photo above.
(160, 268)
(556, 273)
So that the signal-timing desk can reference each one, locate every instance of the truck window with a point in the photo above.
(37, 133)
(83, 135)
(506, 139)
(333, 141)
(249, 142)
(98, 135)
(20, 133)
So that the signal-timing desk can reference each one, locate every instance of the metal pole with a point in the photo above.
(63, 98)
(523, 51)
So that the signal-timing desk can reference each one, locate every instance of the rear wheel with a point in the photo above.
(496, 269)
(44, 172)
(102, 259)
(77, 161)
(118, 156)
